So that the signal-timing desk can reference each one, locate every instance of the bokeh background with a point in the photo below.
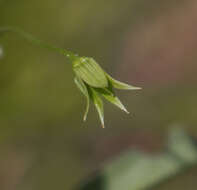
(43, 142)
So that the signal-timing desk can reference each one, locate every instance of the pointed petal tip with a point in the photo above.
(134, 88)
(102, 123)
(125, 110)
(85, 117)
(138, 88)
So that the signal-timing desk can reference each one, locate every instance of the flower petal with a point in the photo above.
(120, 85)
(108, 95)
(84, 90)
(98, 104)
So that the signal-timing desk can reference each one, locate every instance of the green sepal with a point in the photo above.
(89, 71)
(80, 84)
(120, 85)
(98, 104)
(111, 97)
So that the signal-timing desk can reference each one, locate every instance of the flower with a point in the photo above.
(90, 78)
(95, 83)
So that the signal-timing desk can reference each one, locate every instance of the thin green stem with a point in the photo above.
(37, 42)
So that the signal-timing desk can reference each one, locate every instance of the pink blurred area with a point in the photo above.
(162, 50)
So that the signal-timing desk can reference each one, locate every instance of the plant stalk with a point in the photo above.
(37, 42)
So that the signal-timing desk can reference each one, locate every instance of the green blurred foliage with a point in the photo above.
(139, 170)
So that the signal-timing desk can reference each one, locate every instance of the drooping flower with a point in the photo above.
(95, 83)
(90, 78)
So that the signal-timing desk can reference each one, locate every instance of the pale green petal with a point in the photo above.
(108, 95)
(120, 85)
(89, 71)
(84, 90)
(98, 104)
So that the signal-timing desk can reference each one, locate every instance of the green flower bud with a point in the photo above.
(90, 72)
(94, 83)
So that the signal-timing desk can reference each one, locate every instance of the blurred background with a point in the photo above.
(44, 144)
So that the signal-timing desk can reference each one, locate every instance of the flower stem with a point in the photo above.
(37, 42)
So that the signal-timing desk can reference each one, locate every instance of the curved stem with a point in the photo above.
(37, 42)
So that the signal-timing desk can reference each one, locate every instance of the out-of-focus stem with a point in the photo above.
(33, 40)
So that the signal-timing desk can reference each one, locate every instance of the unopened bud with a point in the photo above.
(89, 71)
